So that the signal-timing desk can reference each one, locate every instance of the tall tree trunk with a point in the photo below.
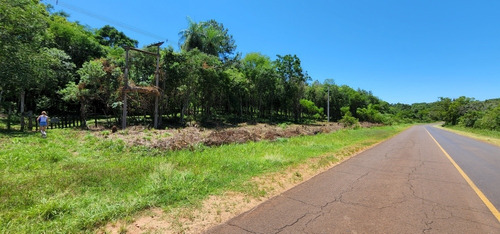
(83, 115)
(9, 116)
(183, 110)
(241, 106)
(30, 122)
(22, 109)
(1, 92)
(162, 110)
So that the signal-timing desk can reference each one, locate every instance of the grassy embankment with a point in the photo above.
(490, 136)
(73, 181)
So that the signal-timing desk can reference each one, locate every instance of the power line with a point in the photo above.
(109, 20)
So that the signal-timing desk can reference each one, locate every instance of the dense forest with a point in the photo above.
(66, 68)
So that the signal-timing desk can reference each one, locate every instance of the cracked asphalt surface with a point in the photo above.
(403, 185)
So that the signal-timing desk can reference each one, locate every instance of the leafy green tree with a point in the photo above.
(293, 80)
(89, 88)
(173, 66)
(470, 118)
(23, 24)
(337, 100)
(142, 67)
(237, 93)
(358, 99)
(348, 120)
(439, 108)
(262, 82)
(55, 72)
(318, 94)
(370, 114)
(490, 120)
(210, 82)
(421, 112)
(208, 37)
(312, 110)
(456, 109)
(110, 36)
(192, 36)
(198, 81)
(76, 40)
(225, 44)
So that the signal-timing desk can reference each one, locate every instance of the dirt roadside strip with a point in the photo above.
(403, 185)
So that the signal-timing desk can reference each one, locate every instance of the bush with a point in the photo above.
(371, 114)
(348, 120)
(490, 120)
(311, 109)
(470, 118)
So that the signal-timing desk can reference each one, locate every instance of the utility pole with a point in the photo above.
(328, 104)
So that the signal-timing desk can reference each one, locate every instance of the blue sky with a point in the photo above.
(405, 51)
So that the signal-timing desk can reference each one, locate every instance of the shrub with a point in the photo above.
(490, 120)
(348, 120)
(469, 119)
(370, 114)
(311, 109)
(283, 125)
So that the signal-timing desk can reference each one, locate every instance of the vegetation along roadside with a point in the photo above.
(75, 181)
(489, 136)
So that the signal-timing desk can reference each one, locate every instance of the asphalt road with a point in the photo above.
(479, 160)
(404, 185)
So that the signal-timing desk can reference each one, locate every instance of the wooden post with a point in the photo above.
(125, 81)
(125, 87)
(157, 79)
(157, 74)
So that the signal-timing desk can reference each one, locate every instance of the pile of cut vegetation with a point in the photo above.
(191, 137)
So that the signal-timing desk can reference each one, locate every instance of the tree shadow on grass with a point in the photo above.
(16, 133)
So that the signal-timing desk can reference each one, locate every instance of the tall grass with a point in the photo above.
(73, 181)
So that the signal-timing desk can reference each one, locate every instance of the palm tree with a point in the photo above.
(192, 37)
(212, 41)
(209, 37)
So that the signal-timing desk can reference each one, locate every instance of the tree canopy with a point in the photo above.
(49, 63)
(110, 36)
(208, 37)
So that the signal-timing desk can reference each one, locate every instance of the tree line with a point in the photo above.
(49, 63)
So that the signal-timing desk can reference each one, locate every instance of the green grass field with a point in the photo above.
(490, 136)
(73, 181)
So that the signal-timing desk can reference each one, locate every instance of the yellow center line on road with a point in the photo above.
(481, 195)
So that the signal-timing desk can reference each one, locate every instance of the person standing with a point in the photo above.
(43, 120)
